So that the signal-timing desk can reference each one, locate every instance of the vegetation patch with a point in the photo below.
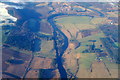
(86, 59)
(47, 49)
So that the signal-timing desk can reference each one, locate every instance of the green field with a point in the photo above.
(110, 65)
(98, 20)
(46, 46)
(47, 49)
(79, 22)
(87, 59)
(75, 22)
(85, 42)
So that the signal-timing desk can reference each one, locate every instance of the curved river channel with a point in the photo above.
(60, 40)
(59, 50)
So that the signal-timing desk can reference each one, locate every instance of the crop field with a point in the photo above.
(42, 4)
(86, 59)
(71, 58)
(93, 37)
(109, 64)
(113, 67)
(112, 14)
(46, 46)
(59, 40)
(75, 22)
(85, 42)
(99, 69)
(47, 49)
(71, 26)
(98, 20)
(9, 67)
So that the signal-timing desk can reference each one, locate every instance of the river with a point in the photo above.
(59, 50)
(62, 71)
(23, 13)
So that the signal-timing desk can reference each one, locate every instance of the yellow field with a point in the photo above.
(112, 14)
(47, 49)
(42, 4)
(77, 26)
(46, 46)
(98, 20)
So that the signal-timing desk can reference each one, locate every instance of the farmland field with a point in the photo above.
(73, 27)
(47, 49)
(79, 22)
(59, 40)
